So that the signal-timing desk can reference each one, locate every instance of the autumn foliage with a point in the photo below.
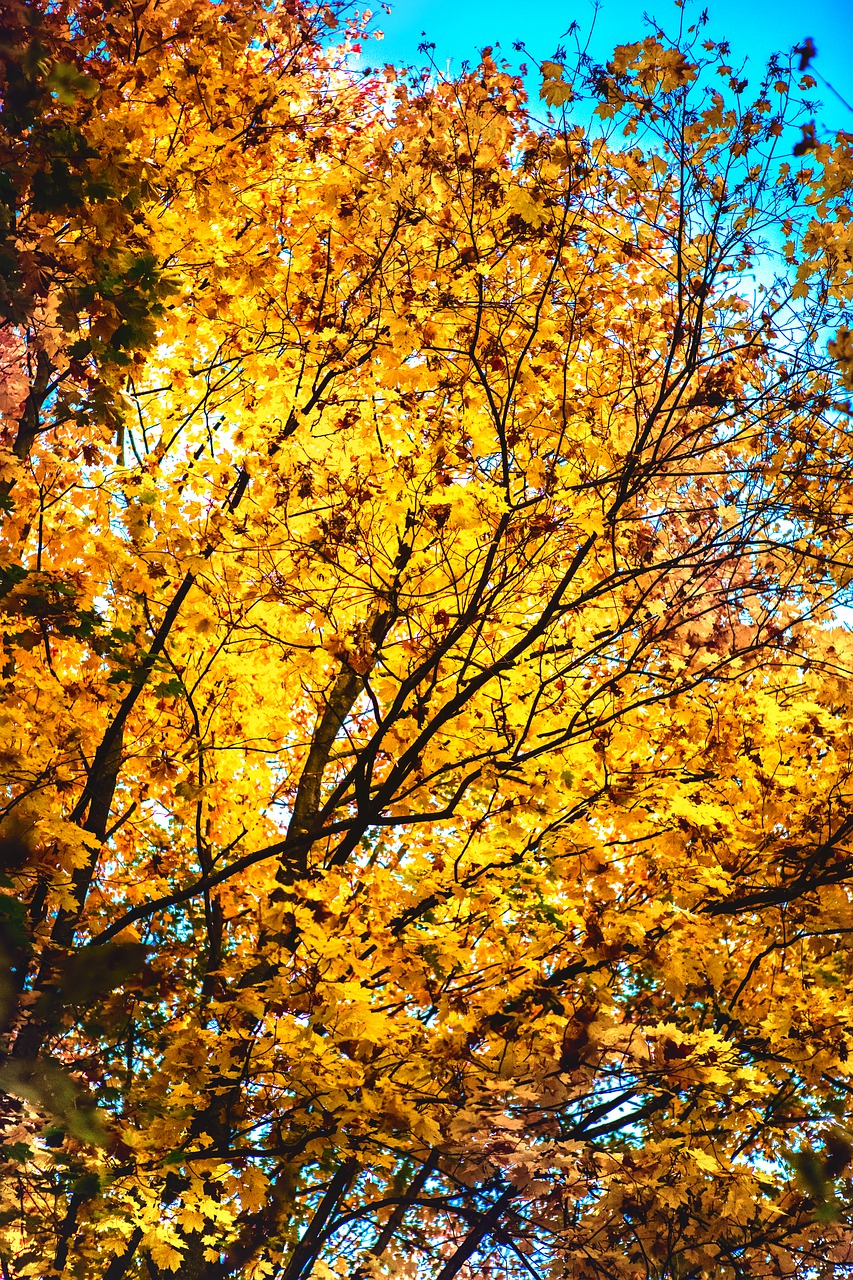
(427, 763)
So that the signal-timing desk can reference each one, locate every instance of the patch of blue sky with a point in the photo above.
(459, 29)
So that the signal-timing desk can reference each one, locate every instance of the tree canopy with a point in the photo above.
(427, 767)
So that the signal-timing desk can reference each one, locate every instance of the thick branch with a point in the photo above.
(475, 1238)
(120, 1264)
(386, 1235)
(339, 703)
(30, 420)
(306, 1251)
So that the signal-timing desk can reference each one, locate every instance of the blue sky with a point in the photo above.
(754, 28)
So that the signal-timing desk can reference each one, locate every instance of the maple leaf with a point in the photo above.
(555, 90)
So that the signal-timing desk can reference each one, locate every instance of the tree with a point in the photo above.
(425, 738)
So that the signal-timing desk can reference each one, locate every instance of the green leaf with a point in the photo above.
(17, 1151)
(169, 688)
(87, 1186)
(10, 576)
(45, 1084)
(66, 82)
